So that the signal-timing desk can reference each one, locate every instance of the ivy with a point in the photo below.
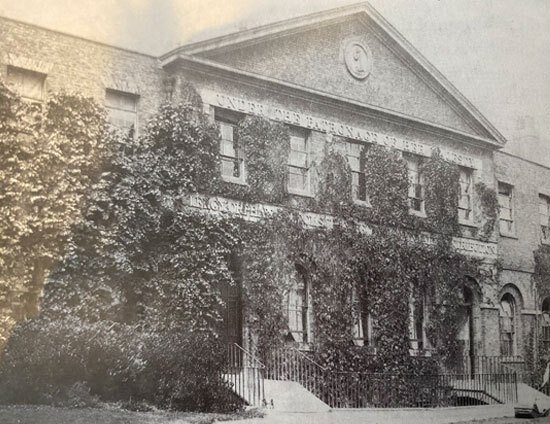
(387, 185)
(266, 146)
(139, 258)
(334, 179)
(489, 209)
(441, 193)
(51, 155)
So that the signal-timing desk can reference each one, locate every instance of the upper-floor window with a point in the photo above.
(356, 162)
(298, 162)
(465, 194)
(544, 213)
(122, 109)
(28, 84)
(231, 152)
(506, 211)
(416, 183)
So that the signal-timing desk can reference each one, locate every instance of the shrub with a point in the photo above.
(70, 362)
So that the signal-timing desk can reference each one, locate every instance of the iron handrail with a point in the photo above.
(249, 355)
(307, 358)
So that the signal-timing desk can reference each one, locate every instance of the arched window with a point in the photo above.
(507, 325)
(417, 320)
(546, 324)
(363, 334)
(299, 307)
(466, 336)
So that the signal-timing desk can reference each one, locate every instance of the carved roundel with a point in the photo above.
(358, 59)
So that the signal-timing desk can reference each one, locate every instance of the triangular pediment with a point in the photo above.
(354, 54)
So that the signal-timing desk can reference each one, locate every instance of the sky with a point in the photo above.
(496, 52)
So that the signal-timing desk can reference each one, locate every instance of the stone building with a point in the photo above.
(345, 79)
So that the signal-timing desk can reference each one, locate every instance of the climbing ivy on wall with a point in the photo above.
(140, 260)
(266, 147)
(489, 210)
(441, 189)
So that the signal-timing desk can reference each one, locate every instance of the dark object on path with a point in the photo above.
(530, 412)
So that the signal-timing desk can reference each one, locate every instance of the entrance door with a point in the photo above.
(232, 313)
(232, 319)
(466, 334)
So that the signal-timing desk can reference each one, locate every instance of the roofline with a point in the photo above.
(303, 23)
(530, 161)
(78, 37)
(200, 64)
(269, 29)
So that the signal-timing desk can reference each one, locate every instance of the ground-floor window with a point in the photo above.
(546, 324)
(362, 323)
(299, 307)
(417, 320)
(507, 325)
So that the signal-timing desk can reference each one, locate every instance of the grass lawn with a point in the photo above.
(33, 414)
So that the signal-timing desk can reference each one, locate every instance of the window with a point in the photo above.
(507, 324)
(544, 213)
(416, 183)
(465, 195)
(232, 155)
(299, 307)
(29, 84)
(466, 332)
(546, 324)
(357, 165)
(298, 162)
(362, 323)
(122, 110)
(506, 214)
(417, 330)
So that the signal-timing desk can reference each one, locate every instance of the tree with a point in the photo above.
(49, 157)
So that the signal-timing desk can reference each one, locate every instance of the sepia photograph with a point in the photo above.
(274, 212)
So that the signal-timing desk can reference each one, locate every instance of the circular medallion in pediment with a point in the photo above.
(358, 59)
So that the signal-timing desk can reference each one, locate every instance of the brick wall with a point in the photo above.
(77, 65)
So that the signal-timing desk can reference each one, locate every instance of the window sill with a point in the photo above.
(304, 347)
(425, 353)
(468, 223)
(362, 203)
(238, 181)
(508, 235)
(361, 343)
(300, 193)
(420, 214)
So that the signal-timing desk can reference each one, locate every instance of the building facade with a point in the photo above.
(340, 80)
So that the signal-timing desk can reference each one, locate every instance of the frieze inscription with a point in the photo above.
(216, 205)
(333, 127)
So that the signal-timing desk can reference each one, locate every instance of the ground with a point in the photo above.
(105, 415)
(113, 415)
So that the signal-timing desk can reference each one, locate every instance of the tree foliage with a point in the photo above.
(49, 155)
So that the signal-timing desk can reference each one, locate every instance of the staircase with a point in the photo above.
(245, 375)
(291, 381)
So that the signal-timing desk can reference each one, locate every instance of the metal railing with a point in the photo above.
(487, 364)
(292, 365)
(361, 390)
(245, 375)
(382, 390)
